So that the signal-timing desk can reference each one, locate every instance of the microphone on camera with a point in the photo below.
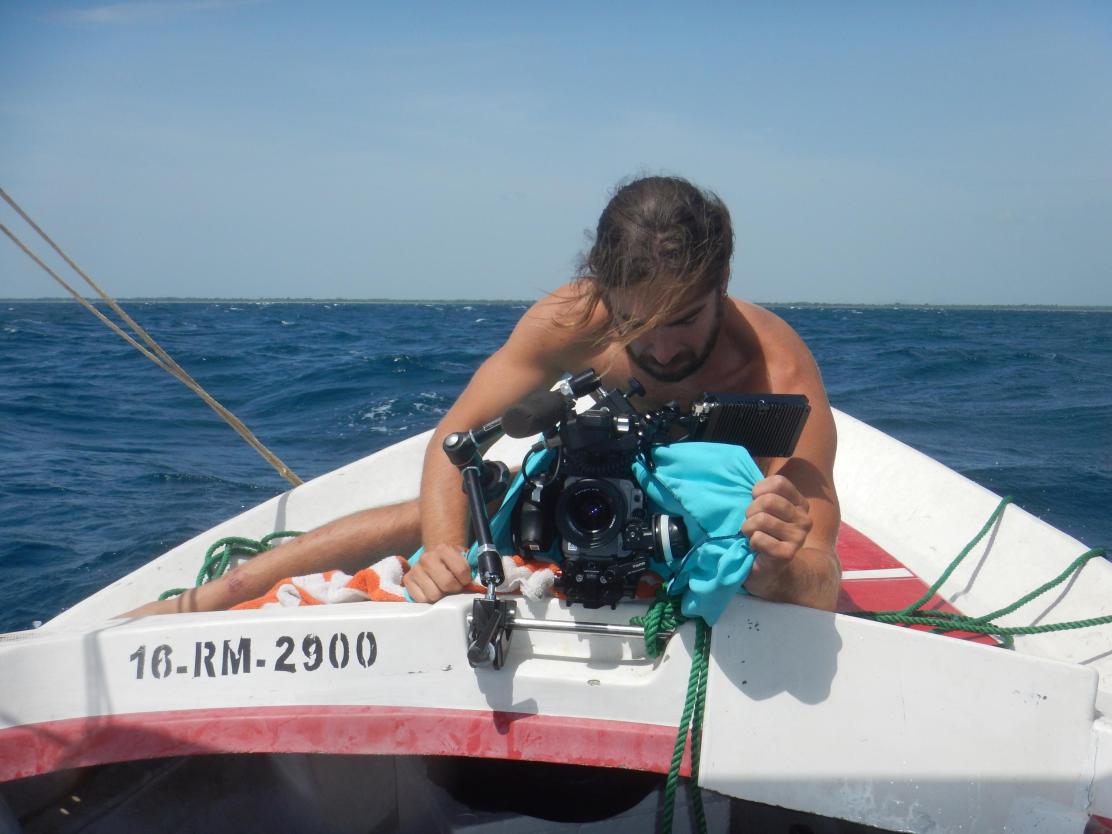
(534, 414)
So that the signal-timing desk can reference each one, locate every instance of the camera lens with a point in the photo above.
(591, 511)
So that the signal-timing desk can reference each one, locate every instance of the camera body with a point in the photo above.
(591, 499)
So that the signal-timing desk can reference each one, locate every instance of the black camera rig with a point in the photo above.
(586, 501)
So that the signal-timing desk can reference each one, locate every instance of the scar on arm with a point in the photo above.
(234, 579)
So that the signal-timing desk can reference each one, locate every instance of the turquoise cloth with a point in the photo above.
(711, 486)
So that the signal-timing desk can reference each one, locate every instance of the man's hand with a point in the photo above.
(441, 570)
(777, 524)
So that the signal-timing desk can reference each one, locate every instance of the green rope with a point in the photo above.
(220, 555)
(938, 583)
(945, 621)
(664, 615)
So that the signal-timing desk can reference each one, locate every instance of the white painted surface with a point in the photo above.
(893, 728)
(421, 662)
(877, 573)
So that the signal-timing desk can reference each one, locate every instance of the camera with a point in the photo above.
(580, 497)
(586, 505)
(588, 497)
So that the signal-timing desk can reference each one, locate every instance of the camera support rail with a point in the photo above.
(572, 627)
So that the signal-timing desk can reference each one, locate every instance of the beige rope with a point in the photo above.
(156, 354)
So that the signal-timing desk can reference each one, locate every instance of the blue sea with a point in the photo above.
(106, 461)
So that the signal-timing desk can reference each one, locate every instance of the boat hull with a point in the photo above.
(823, 713)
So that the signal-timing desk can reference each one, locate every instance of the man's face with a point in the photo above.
(677, 348)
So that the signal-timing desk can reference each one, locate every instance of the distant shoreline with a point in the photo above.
(1060, 308)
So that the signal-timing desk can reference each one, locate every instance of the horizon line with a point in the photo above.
(344, 300)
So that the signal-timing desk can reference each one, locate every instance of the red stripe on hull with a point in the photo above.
(857, 552)
(879, 594)
(80, 742)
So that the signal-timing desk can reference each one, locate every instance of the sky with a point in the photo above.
(932, 153)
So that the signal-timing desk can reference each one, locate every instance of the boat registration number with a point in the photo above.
(211, 659)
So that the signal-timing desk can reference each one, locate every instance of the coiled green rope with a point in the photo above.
(220, 555)
(945, 621)
(664, 615)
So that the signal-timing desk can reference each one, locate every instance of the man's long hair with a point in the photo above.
(661, 237)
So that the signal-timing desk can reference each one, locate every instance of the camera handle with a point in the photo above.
(488, 634)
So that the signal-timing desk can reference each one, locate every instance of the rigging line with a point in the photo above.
(170, 366)
(116, 308)
(107, 321)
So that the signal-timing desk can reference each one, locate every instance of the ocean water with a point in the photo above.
(107, 461)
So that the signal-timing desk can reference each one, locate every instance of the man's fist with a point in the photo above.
(777, 524)
(441, 570)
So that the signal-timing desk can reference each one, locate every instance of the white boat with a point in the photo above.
(825, 714)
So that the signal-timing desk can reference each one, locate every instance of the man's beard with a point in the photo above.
(686, 362)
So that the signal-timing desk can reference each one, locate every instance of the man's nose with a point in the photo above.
(664, 349)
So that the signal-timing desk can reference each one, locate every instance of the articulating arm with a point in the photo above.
(488, 635)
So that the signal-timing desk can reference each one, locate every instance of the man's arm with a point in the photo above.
(532, 359)
(348, 543)
(793, 521)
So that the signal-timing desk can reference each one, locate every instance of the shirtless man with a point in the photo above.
(651, 302)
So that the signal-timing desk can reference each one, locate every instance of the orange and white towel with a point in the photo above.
(382, 582)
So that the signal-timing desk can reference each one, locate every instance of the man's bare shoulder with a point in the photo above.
(559, 328)
(562, 317)
(788, 359)
(766, 323)
(564, 303)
